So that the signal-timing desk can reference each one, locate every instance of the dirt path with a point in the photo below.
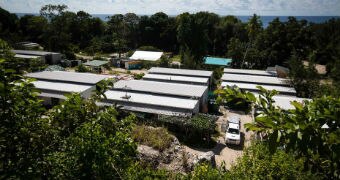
(224, 154)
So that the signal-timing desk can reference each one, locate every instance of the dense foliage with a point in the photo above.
(76, 139)
(310, 131)
(235, 98)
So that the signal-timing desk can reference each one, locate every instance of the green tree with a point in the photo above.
(310, 131)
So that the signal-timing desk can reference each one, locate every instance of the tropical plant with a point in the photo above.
(235, 98)
(310, 130)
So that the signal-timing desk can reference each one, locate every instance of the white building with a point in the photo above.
(183, 91)
(53, 85)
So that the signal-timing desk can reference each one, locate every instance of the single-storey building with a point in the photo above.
(184, 91)
(171, 72)
(47, 57)
(284, 102)
(255, 79)
(153, 104)
(53, 92)
(249, 72)
(96, 65)
(53, 85)
(252, 87)
(69, 77)
(202, 81)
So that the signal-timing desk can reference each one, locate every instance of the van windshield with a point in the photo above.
(233, 131)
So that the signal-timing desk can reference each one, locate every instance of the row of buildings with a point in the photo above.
(162, 90)
(157, 96)
(249, 80)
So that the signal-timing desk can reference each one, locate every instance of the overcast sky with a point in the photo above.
(174, 7)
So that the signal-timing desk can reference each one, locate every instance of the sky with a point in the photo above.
(174, 7)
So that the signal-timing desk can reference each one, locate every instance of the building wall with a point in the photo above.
(195, 110)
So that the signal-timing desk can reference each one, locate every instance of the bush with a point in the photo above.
(138, 76)
(158, 138)
(258, 163)
(82, 68)
(195, 131)
(235, 98)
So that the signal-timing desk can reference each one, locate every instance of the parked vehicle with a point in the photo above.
(233, 134)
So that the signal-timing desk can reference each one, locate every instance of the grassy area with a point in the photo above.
(158, 138)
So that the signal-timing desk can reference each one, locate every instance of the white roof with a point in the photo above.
(253, 79)
(156, 100)
(252, 87)
(185, 72)
(62, 87)
(248, 71)
(146, 55)
(284, 101)
(85, 78)
(170, 78)
(162, 87)
(26, 56)
(149, 110)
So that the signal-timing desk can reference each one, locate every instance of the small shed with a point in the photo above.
(96, 65)
(217, 61)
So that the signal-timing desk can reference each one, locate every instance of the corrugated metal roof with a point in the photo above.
(148, 110)
(261, 80)
(147, 99)
(37, 53)
(84, 78)
(162, 88)
(252, 87)
(170, 78)
(26, 56)
(284, 101)
(249, 72)
(61, 87)
(183, 72)
(217, 61)
(146, 55)
(96, 63)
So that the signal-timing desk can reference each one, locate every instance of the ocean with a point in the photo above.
(265, 19)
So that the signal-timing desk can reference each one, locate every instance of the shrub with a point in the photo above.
(195, 131)
(158, 138)
(82, 68)
(138, 76)
(235, 98)
(258, 163)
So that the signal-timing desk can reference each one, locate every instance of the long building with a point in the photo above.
(203, 81)
(180, 72)
(249, 72)
(284, 102)
(47, 57)
(252, 87)
(254, 79)
(68, 77)
(53, 85)
(154, 104)
(183, 91)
